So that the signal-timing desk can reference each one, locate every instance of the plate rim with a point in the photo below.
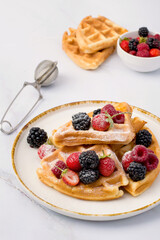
(60, 208)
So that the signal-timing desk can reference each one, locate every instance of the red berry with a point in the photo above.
(99, 122)
(138, 38)
(106, 166)
(142, 46)
(58, 168)
(154, 52)
(157, 36)
(125, 45)
(132, 52)
(139, 153)
(126, 160)
(143, 53)
(109, 108)
(151, 36)
(152, 162)
(44, 150)
(70, 178)
(73, 162)
(120, 118)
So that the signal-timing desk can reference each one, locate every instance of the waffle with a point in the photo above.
(94, 34)
(105, 188)
(83, 60)
(66, 135)
(137, 188)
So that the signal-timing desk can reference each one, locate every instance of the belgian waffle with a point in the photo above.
(84, 60)
(66, 135)
(94, 34)
(136, 188)
(105, 188)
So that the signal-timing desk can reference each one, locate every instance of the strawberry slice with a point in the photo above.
(44, 150)
(70, 178)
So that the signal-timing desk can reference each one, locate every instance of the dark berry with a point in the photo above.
(133, 44)
(143, 32)
(120, 118)
(144, 137)
(152, 161)
(89, 159)
(153, 43)
(96, 112)
(139, 153)
(81, 121)
(36, 137)
(58, 168)
(109, 108)
(88, 176)
(136, 171)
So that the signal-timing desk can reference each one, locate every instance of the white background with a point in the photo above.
(31, 31)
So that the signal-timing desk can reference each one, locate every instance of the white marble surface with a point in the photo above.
(32, 31)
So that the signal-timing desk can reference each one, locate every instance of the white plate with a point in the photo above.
(25, 162)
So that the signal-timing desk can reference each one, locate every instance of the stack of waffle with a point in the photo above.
(92, 42)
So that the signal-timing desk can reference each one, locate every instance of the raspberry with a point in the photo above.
(142, 46)
(143, 53)
(120, 118)
(133, 44)
(99, 123)
(154, 52)
(152, 161)
(96, 112)
(36, 137)
(136, 171)
(81, 121)
(139, 153)
(150, 151)
(89, 160)
(109, 108)
(143, 32)
(58, 168)
(88, 176)
(132, 52)
(144, 137)
(126, 160)
(106, 166)
(157, 36)
(45, 150)
(73, 162)
(125, 45)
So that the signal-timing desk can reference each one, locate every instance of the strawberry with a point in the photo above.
(73, 162)
(154, 52)
(125, 45)
(99, 123)
(106, 165)
(126, 160)
(70, 177)
(44, 150)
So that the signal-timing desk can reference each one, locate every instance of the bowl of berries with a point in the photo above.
(140, 50)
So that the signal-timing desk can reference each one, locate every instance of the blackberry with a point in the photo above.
(36, 137)
(144, 137)
(136, 171)
(81, 121)
(153, 43)
(133, 44)
(89, 159)
(143, 32)
(87, 176)
(96, 112)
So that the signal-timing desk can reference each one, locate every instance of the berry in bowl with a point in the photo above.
(140, 50)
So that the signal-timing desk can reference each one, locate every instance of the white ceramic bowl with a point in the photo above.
(140, 64)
